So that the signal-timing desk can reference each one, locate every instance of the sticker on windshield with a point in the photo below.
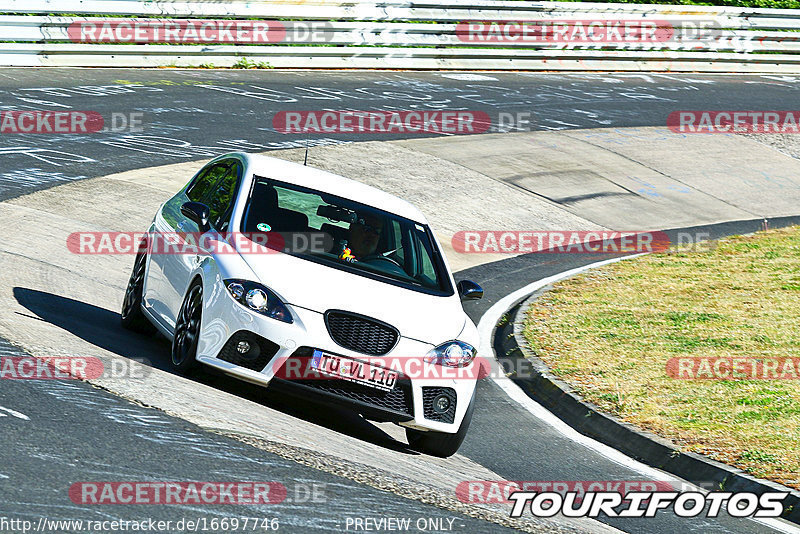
(264, 227)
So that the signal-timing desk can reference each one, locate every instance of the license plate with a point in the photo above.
(356, 371)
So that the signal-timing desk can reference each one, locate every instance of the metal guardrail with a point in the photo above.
(435, 34)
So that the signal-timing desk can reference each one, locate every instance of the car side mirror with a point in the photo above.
(469, 290)
(198, 213)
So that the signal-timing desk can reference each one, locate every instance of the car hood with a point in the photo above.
(304, 283)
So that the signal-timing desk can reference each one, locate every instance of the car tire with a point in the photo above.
(441, 444)
(187, 330)
(131, 316)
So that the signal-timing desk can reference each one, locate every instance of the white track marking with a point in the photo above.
(468, 77)
(14, 413)
(486, 326)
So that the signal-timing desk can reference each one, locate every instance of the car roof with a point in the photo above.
(326, 182)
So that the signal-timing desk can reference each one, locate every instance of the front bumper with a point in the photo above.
(225, 323)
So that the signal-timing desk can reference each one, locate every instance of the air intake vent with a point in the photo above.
(256, 354)
(429, 395)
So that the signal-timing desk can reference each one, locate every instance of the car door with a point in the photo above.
(164, 232)
(158, 297)
(217, 190)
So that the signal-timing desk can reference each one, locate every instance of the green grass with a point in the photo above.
(610, 332)
(245, 63)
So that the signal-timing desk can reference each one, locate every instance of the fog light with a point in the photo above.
(243, 347)
(441, 403)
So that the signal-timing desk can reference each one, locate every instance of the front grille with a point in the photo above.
(256, 358)
(428, 394)
(360, 333)
(399, 399)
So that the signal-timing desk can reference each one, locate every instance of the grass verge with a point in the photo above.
(610, 333)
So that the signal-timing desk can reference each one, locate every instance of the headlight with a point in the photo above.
(258, 298)
(452, 354)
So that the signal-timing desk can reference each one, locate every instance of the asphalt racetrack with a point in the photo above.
(55, 433)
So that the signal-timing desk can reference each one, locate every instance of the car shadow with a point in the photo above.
(101, 328)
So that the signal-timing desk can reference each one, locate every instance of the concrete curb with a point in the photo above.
(559, 398)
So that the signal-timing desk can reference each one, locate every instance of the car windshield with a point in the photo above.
(351, 237)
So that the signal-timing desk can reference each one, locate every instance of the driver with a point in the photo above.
(363, 236)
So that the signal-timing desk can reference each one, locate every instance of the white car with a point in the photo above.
(333, 288)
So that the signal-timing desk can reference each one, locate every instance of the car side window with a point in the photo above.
(427, 264)
(205, 182)
(221, 202)
(307, 205)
